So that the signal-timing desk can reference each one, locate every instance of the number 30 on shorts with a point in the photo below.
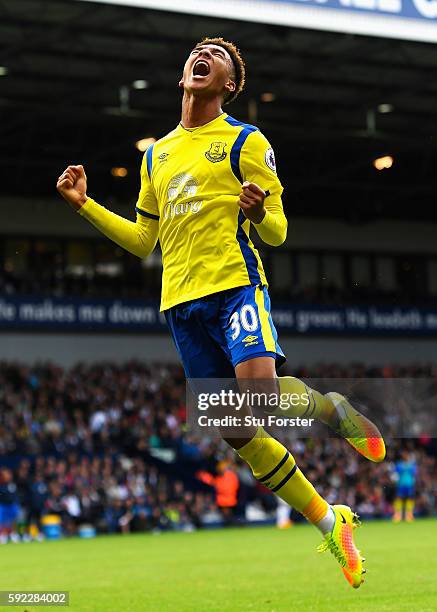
(246, 319)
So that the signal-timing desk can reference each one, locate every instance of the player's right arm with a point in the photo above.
(138, 237)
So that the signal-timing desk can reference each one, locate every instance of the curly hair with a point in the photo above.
(239, 67)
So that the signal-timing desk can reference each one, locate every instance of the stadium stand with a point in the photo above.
(107, 445)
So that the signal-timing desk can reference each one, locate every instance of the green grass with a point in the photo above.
(253, 569)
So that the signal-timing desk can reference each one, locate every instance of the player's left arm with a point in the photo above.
(260, 198)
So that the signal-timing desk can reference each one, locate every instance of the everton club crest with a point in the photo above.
(216, 152)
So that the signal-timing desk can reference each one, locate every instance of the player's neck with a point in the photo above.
(199, 111)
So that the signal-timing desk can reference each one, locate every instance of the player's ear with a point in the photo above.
(181, 82)
(230, 86)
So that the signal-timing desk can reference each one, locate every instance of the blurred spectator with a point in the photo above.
(9, 508)
(226, 485)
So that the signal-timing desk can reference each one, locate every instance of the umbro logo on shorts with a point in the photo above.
(250, 340)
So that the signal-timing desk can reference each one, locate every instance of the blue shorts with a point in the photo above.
(405, 492)
(215, 333)
(8, 514)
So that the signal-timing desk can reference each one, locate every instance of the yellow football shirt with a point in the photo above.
(190, 182)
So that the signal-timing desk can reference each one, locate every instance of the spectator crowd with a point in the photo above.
(107, 445)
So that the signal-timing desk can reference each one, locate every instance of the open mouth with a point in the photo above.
(201, 68)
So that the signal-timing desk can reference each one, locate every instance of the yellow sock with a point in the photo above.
(397, 504)
(303, 401)
(409, 505)
(409, 510)
(397, 507)
(274, 466)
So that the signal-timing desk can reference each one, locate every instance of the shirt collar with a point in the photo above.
(205, 125)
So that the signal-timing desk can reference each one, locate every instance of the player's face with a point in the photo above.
(208, 71)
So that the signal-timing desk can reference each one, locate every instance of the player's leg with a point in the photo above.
(271, 463)
(409, 504)
(337, 412)
(3, 527)
(409, 509)
(397, 507)
(254, 354)
(275, 467)
(333, 409)
(283, 515)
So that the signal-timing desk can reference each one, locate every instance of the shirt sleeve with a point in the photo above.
(257, 165)
(147, 205)
(139, 238)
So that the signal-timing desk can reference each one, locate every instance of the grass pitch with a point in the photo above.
(247, 569)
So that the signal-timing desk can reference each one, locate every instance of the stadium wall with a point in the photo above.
(67, 349)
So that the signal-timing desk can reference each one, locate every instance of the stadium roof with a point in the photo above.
(67, 96)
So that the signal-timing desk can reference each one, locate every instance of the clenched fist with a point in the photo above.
(72, 186)
(251, 202)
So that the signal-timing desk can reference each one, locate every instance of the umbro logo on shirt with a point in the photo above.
(163, 157)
